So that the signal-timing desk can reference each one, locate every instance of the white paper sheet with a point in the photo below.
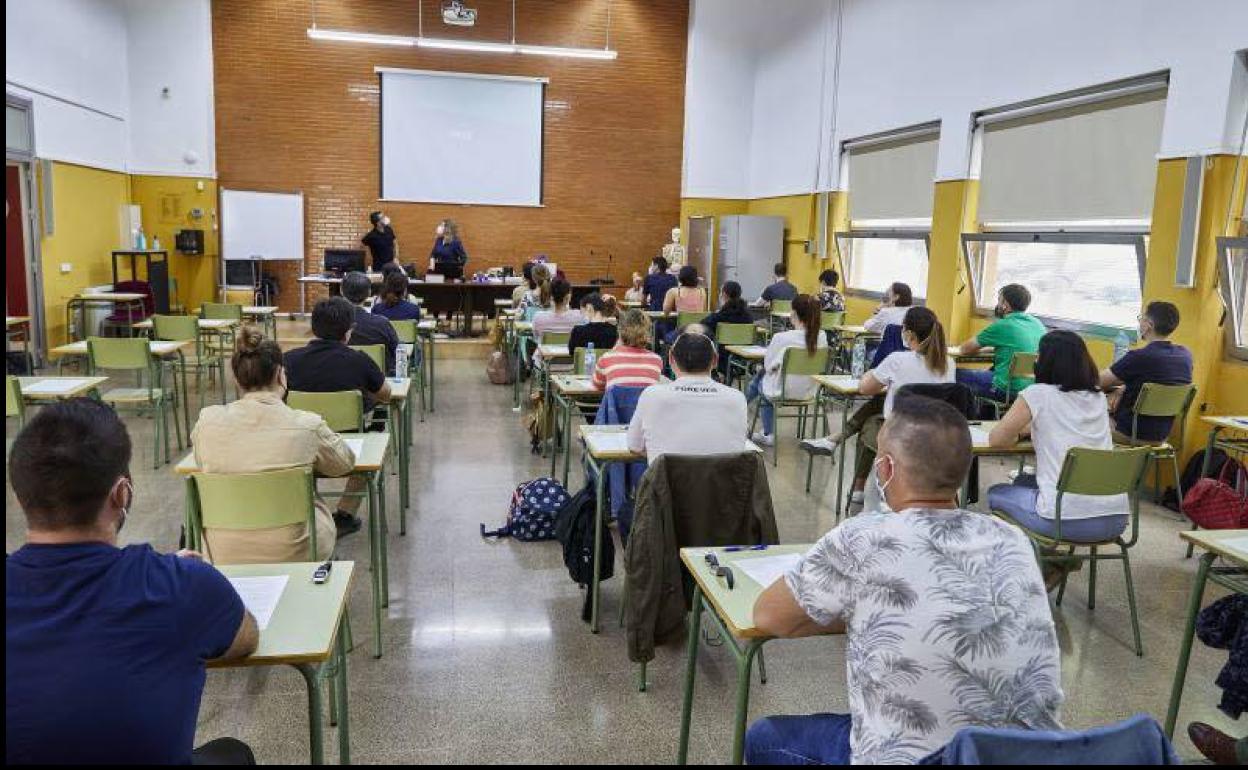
(53, 387)
(357, 446)
(260, 595)
(1237, 543)
(611, 441)
(979, 436)
(766, 570)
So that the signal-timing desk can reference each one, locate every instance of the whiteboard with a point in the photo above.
(457, 138)
(262, 225)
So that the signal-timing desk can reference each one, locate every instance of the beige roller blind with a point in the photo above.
(893, 180)
(1092, 162)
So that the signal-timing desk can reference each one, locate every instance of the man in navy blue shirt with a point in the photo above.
(105, 646)
(657, 283)
(369, 329)
(1159, 361)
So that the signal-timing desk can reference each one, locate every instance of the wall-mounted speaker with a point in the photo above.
(1189, 222)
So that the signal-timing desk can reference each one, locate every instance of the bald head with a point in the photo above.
(930, 444)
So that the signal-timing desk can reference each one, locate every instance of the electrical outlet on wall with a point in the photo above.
(66, 267)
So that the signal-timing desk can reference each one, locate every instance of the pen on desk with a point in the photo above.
(736, 548)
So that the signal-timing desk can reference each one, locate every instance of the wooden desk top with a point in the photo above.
(554, 351)
(427, 325)
(735, 607)
(981, 448)
(853, 330)
(256, 310)
(15, 320)
(400, 387)
(110, 296)
(610, 442)
(1230, 544)
(748, 352)
(575, 386)
(31, 390)
(523, 327)
(205, 324)
(843, 384)
(369, 460)
(1227, 422)
(983, 355)
(159, 348)
(305, 623)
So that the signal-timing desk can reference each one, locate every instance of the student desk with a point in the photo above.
(427, 329)
(732, 610)
(841, 389)
(133, 304)
(306, 632)
(1232, 546)
(18, 327)
(555, 353)
(521, 334)
(265, 315)
(981, 356)
(1231, 445)
(217, 325)
(401, 427)
(370, 462)
(742, 357)
(47, 388)
(570, 392)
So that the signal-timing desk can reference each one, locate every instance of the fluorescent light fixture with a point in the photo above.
(343, 36)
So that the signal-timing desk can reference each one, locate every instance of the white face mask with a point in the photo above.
(882, 486)
(441, 230)
(385, 221)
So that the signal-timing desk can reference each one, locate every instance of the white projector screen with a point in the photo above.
(458, 138)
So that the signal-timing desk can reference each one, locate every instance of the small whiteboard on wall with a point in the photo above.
(261, 225)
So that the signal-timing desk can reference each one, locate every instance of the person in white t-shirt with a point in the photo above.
(766, 385)
(892, 310)
(693, 415)
(1064, 409)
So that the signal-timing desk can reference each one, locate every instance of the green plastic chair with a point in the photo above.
(342, 410)
(14, 405)
(180, 328)
(225, 311)
(685, 317)
(1157, 400)
(375, 352)
(1022, 365)
(409, 334)
(578, 360)
(251, 501)
(735, 334)
(133, 354)
(1099, 473)
(555, 338)
(796, 362)
(779, 306)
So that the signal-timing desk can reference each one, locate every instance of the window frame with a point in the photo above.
(1225, 246)
(891, 233)
(974, 273)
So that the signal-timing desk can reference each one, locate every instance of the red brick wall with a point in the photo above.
(298, 114)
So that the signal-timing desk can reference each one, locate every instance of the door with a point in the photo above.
(16, 292)
(702, 246)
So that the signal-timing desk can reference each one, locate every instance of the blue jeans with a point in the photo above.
(1018, 501)
(765, 409)
(980, 383)
(818, 739)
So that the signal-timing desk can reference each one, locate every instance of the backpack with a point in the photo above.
(498, 368)
(574, 528)
(531, 516)
(539, 422)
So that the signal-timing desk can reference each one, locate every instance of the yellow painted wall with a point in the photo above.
(167, 202)
(709, 207)
(87, 206)
(799, 226)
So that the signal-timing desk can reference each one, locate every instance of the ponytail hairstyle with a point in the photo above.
(902, 295)
(394, 288)
(927, 329)
(732, 297)
(560, 292)
(603, 304)
(541, 277)
(256, 359)
(808, 312)
(610, 307)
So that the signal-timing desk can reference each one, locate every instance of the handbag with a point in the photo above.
(1214, 504)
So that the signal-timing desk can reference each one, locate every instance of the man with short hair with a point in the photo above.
(1160, 361)
(369, 329)
(381, 241)
(1014, 331)
(327, 365)
(694, 415)
(780, 288)
(947, 617)
(105, 646)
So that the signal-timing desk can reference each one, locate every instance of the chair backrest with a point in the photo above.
(1157, 400)
(798, 362)
(890, 343)
(250, 501)
(954, 394)
(734, 334)
(830, 318)
(578, 360)
(556, 338)
(121, 310)
(1101, 472)
(686, 317)
(226, 311)
(376, 352)
(342, 410)
(406, 331)
(728, 502)
(781, 305)
(1138, 740)
(120, 353)
(175, 327)
(13, 404)
(1023, 365)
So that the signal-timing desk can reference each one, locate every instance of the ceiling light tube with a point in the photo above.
(465, 45)
(343, 36)
(574, 53)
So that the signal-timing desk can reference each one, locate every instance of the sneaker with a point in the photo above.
(762, 439)
(346, 523)
(820, 446)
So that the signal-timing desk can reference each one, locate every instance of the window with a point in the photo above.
(1233, 284)
(1084, 280)
(873, 260)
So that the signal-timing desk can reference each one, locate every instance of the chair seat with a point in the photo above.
(133, 395)
(1049, 540)
(1161, 446)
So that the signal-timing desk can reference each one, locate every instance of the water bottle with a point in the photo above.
(1122, 343)
(400, 361)
(155, 243)
(590, 358)
(140, 240)
(859, 362)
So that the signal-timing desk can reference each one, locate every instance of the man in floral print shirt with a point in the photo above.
(946, 614)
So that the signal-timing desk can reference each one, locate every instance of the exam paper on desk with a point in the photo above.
(356, 445)
(766, 570)
(260, 595)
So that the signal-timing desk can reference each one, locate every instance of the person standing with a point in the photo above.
(381, 241)
(447, 255)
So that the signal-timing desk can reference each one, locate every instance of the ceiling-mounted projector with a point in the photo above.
(455, 14)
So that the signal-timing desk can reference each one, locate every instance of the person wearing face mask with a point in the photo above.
(892, 309)
(277, 437)
(917, 587)
(1014, 331)
(105, 646)
(381, 241)
(1160, 361)
(447, 256)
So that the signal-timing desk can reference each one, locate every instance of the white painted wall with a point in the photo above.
(904, 62)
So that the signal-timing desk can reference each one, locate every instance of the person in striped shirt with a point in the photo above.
(631, 361)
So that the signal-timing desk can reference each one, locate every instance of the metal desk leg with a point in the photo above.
(316, 738)
(1185, 651)
(567, 443)
(691, 673)
(383, 530)
(840, 470)
(557, 405)
(374, 533)
(599, 505)
(745, 661)
(432, 381)
(344, 721)
(186, 404)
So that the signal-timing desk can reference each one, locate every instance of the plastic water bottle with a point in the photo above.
(859, 361)
(155, 243)
(400, 361)
(140, 241)
(591, 358)
(1122, 343)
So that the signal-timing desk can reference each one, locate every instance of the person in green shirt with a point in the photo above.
(1014, 331)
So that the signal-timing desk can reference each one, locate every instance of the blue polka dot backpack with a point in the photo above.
(532, 512)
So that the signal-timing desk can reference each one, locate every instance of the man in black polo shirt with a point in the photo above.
(369, 329)
(327, 365)
(381, 241)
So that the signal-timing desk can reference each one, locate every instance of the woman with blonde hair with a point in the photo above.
(447, 256)
(630, 362)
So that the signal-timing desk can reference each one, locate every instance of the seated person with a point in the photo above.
(766, 384)
(561, 317)
(657, 284)
(892, 309)
(1014, 331)
(687, 297)
(599, 312)
(277, 437)
(732, 309)
(1064, 408)
(636, 293)
(369, 329)
(537, 299)
(327, 365)
(1159, 361)
(105, 646)
(917, 593)
(393, 303)
(630, 362)
(830, 300)
(780, 288)
(694, 415)
(517, 294)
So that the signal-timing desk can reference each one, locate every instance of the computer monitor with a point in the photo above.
(242, 272)
(344, 260)
(452, 271)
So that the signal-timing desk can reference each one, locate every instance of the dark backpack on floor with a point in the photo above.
(574, 528)
(534, 505)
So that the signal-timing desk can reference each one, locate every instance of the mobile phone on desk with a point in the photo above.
(321, 574)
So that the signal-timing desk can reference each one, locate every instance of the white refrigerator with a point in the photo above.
(749, 248)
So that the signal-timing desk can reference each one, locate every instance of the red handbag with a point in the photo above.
(1214, 504)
